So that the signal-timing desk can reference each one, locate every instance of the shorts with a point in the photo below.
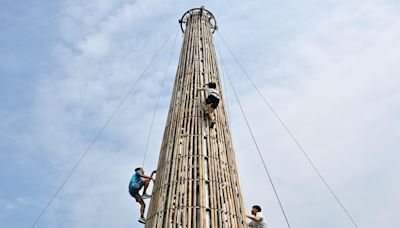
(212, 101)
(135, 188)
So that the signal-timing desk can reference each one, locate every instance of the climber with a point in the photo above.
(257, 219)
(138, 181)
(211, 102)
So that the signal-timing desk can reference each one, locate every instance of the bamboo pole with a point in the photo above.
(197, 183)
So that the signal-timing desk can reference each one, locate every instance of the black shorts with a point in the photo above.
(212, 101)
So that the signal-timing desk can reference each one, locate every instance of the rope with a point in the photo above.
(99, 133)
(259, 151)
(8, 139)
(223, 76)
(158, 99)
(291, 135)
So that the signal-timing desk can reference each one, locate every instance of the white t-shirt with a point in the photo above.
(259, 224)
(210, 91)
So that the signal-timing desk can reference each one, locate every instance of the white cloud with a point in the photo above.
(24, 200)
(331, 72)
(95, 46)
(341, 104)
(9, 206)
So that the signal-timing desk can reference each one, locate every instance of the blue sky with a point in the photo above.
(329, 68)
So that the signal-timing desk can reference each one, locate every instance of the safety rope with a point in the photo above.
(223, 92)
(291, 135)
(132, 88)
(258, 149)
(158, 99)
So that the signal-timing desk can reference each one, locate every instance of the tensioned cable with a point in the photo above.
(100, 131)
(223, 74)
(258, 149)
(324, 181)
(8, 139)
(158, 99)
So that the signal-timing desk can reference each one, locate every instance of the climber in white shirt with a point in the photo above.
(257, 218)
(211, 102)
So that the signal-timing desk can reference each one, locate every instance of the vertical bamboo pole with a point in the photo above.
(197, 183)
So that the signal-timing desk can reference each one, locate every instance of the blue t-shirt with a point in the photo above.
(135, 179)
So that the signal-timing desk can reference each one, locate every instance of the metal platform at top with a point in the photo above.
(198, 11)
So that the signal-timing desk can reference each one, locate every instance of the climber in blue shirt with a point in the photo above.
(139, 181)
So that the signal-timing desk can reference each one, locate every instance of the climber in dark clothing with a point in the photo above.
(211, 102)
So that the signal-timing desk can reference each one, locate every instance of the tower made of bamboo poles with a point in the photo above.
(197, 183)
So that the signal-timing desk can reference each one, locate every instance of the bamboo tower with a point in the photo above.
(197, 182)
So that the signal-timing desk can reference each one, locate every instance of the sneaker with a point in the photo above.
(145, 196)
(142, 220)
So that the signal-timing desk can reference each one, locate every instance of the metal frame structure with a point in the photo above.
(200, 11)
